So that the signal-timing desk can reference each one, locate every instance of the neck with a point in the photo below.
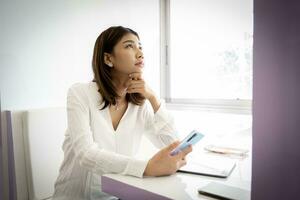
(119, 80)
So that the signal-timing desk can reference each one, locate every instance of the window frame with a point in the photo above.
(238, 106)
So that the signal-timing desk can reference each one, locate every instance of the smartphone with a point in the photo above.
(191, 139)
(226, 192)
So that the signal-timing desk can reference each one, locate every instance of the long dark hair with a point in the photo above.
(105, 43)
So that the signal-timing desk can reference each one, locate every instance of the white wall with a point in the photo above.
(47, 45)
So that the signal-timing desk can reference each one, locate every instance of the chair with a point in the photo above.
(34, 140)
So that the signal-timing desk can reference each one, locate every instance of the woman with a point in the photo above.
(107, 118)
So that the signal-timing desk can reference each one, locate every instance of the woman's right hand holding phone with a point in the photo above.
(163, 164)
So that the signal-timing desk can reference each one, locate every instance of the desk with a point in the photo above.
(180, 185)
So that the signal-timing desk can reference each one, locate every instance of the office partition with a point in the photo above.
(276, 97)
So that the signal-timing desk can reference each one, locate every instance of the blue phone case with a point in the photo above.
(191, 139)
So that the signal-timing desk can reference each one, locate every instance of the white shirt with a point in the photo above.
(92, 147)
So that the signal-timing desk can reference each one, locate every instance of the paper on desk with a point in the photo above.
(222, 149)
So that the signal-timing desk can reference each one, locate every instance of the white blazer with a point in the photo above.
(92, 147)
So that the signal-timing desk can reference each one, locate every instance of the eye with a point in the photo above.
(129, 46)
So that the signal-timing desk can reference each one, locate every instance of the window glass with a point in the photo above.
(211, 49)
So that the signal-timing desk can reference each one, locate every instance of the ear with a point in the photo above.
(108, 59)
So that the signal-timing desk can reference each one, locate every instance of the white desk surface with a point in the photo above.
(184, 186)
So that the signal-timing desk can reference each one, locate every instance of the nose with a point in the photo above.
(140, 54)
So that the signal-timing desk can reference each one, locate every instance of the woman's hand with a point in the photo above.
(162, 163)
(136, 84)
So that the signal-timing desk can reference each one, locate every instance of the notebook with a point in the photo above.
(209, 166)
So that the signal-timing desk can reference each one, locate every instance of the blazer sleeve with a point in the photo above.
(87, 152)
(160, 127)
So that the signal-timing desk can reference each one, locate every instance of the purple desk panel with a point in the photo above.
(127, 192)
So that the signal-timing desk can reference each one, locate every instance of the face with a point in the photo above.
(127, 56)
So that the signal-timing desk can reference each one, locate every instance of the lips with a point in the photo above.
(139, 64)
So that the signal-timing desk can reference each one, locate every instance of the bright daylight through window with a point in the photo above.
(210, 49)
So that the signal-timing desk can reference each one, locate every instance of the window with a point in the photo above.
(208, 59)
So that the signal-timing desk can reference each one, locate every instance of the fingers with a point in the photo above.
(188, 150)
(136, 90)
(136, 76)
(181, 163)
(181, 155)
(131, 84)
(172, 146)
(137, 84)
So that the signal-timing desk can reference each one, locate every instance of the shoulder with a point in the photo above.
(80, 88)
(85, 90)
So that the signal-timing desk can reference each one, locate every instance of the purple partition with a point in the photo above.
(1, 159)
(276, 100)
(10, 154)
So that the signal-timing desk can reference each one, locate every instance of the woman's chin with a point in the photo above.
(137, 70)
